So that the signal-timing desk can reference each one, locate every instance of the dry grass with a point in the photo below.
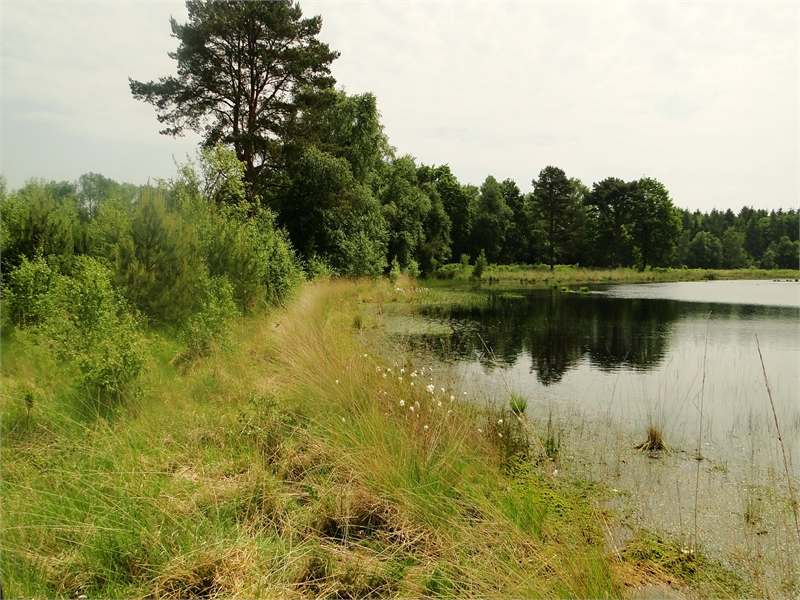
(654, 441)
(292, 466)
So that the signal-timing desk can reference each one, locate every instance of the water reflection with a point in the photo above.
(557, 329)
(608, 364)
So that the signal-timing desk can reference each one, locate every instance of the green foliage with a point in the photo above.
(518, 404)
(435, 248)
(613, 201)
(349, 127)
(40, 219)
(252, 253)
(551, 203)
(786, 253)
(704, 252)
(90, 325)
(26, 298)
(158, 261)
(733, 254)
(412, 270)
(405, 207)
(480, 265)
(245, 72)
(492, 218)
(456, 202)
(332, 217)
(210, 324)
(655, 223)
(217, 177)
(394, 272)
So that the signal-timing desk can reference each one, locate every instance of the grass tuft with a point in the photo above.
(518, 404)
(654, 441)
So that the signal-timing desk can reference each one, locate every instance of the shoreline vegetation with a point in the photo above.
(306, 454)
(200, 397)
(542, 276)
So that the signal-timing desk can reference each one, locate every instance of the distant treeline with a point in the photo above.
(255, 78)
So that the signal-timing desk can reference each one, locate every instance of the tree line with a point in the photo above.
(254, 77)
(295, 179)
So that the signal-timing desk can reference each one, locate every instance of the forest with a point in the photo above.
(296, 179)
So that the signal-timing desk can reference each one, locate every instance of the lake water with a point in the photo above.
(605, 364)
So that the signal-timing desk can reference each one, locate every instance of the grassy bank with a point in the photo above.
(311, 458)
(541, 275)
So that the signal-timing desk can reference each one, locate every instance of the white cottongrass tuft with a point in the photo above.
(430, 388)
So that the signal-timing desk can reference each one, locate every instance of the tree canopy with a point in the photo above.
(245, 72)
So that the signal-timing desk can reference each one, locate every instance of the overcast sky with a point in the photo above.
(703, 96)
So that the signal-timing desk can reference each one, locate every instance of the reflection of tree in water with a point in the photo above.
(557, 329)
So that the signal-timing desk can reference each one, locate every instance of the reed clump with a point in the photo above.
(654, 442)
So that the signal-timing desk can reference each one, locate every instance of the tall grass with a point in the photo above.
(292, 463)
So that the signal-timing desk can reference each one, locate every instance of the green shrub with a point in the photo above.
(26, 296)
(480, 265)
(412, 270)
(394, 272)
(244, 245)
(89, 324)
(158, 262)
(211, 323)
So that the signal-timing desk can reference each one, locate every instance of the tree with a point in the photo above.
(456, 203)
(245, 72)
(614, 200)
(552, 193)
(786, 253)
(405, 207)
(492, 218)
(656, 223)
(704, 252)
(516, 248)
(331, 217)
(733, 254)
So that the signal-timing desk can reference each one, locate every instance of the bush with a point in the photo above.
(26, 296)
(211, 323)
(412, 270)
(89, 324)
(158, 262)
(480, 265)
(394, 272)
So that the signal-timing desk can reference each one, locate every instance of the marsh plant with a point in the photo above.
(654, 442)
(518, 404)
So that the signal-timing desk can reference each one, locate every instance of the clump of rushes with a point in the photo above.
(518, 404)
(654, 442)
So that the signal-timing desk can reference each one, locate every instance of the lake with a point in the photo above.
(604, 364)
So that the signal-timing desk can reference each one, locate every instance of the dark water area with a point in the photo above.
(555, 332)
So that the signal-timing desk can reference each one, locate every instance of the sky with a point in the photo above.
(702, 96)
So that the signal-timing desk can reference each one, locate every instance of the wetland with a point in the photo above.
(602, 365)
